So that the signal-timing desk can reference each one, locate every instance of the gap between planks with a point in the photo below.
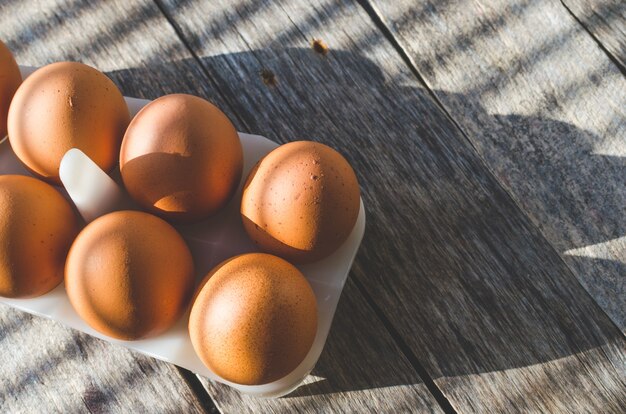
(193, 379)
(441, 399)
(379, 21)
(382, 26)
(196, 58)
(610, 55)
(205, 399)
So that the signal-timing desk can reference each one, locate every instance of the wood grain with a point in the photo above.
(357, 372)
(45, 366)
(546, 109)
(483, 301)
(606, 21)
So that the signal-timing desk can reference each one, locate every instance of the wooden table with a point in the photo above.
(489, 138)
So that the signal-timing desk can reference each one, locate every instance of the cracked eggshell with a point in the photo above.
(62, 106)
(254, 319)
(301, 201)
(37, 228)
(181, 158)
(10, 79)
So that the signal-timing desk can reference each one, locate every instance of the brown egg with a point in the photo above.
(63, 106)
(10, 79)
(129, 275)
(181, 158)
(301, 201)
(254, 319)
(37, 227)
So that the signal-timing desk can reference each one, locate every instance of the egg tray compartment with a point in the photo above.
(210, 241)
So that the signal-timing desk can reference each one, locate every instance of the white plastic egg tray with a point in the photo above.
(211, 241)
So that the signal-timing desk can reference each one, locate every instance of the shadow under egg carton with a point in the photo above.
(210, 241)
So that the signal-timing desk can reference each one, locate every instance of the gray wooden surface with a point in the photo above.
(606, 21)
(491, 274)
(134, 46)
(548, 116)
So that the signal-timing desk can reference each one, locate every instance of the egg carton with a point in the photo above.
(211, 241)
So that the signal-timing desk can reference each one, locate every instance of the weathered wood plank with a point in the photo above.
(546, 109)
(356, 373)
(44, 366)
(137, 48)
(475, 290)
(606, 20)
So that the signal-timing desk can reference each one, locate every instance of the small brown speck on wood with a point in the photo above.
(319, 46)
(268, 77)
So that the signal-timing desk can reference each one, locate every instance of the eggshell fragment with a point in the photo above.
(181, 158)
(37, 227)
(10, 79)
(254, 319)
(301, 201)
(129, 275)
(62, 106)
